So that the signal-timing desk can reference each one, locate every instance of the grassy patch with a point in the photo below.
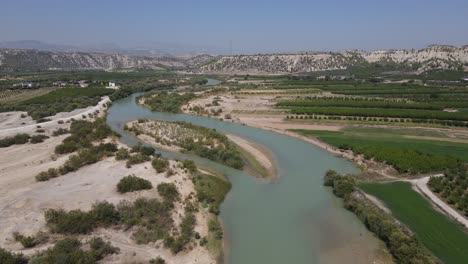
(442, 236)
(211, 190)
(406, 155)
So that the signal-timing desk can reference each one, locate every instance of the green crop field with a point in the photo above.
(407, 155)
(380, 112)
(63, 93)
(445, 238)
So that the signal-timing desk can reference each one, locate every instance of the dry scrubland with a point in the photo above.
(25, 200)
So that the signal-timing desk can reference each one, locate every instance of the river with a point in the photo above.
(292, 219)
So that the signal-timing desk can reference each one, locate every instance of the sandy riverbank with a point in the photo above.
(261, 155)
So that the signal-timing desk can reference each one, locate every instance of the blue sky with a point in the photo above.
(252, 26)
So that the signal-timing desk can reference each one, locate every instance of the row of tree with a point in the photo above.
(402, 244)
(452, 187)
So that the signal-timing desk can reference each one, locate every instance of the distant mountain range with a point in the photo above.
(436, 57)
(38, 56)
(149, 49)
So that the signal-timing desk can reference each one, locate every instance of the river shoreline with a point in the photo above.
(250, 200)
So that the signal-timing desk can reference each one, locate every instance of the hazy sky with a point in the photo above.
(252, 26)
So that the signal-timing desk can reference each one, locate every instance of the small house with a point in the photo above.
(112, 85)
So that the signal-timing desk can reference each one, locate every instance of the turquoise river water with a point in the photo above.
(291, 219)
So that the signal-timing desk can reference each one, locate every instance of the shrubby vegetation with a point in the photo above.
(166, 102)
(7, 257)
(60, 100)
(178, 243)
(404, 247)
(60, 131)
(158, 260)
(452, 187)
(132, 183)
(202, 141)
(211, 190)
(69, 250)
(160, 164)
(83, 134)
(189, 165)
(30, 241)
(139, 154)
(38, 139)
(151, 218)
(169, 192)
(18, 139)
(137, 158)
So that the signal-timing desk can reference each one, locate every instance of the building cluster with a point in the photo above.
(26, 85)
(80, 83)
(335, 77)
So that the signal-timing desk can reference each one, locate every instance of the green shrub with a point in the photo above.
(105, 213)
(122, 154)
(211, 189)
(7, 257)
(160, 164)
(26, 241)
(153, 217)
(47, 175)
(132, 183)
(38, 139)
(169, 192)
(215, 227)
(330, 177)
(145, 150)
(100, 248)
(189, 165)
(73, 222)
(157, 260)
(69, 250)
(137, 159)
(167, 102)
(60, 131)
(18, 139)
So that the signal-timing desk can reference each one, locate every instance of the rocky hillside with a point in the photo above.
(33, 60)
(433, 57)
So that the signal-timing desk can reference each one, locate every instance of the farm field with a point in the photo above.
(438, 233)
(397, 103)
(9, 97)
(407, 155)
(59, 100)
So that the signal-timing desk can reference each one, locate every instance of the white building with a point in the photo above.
(112, 85)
